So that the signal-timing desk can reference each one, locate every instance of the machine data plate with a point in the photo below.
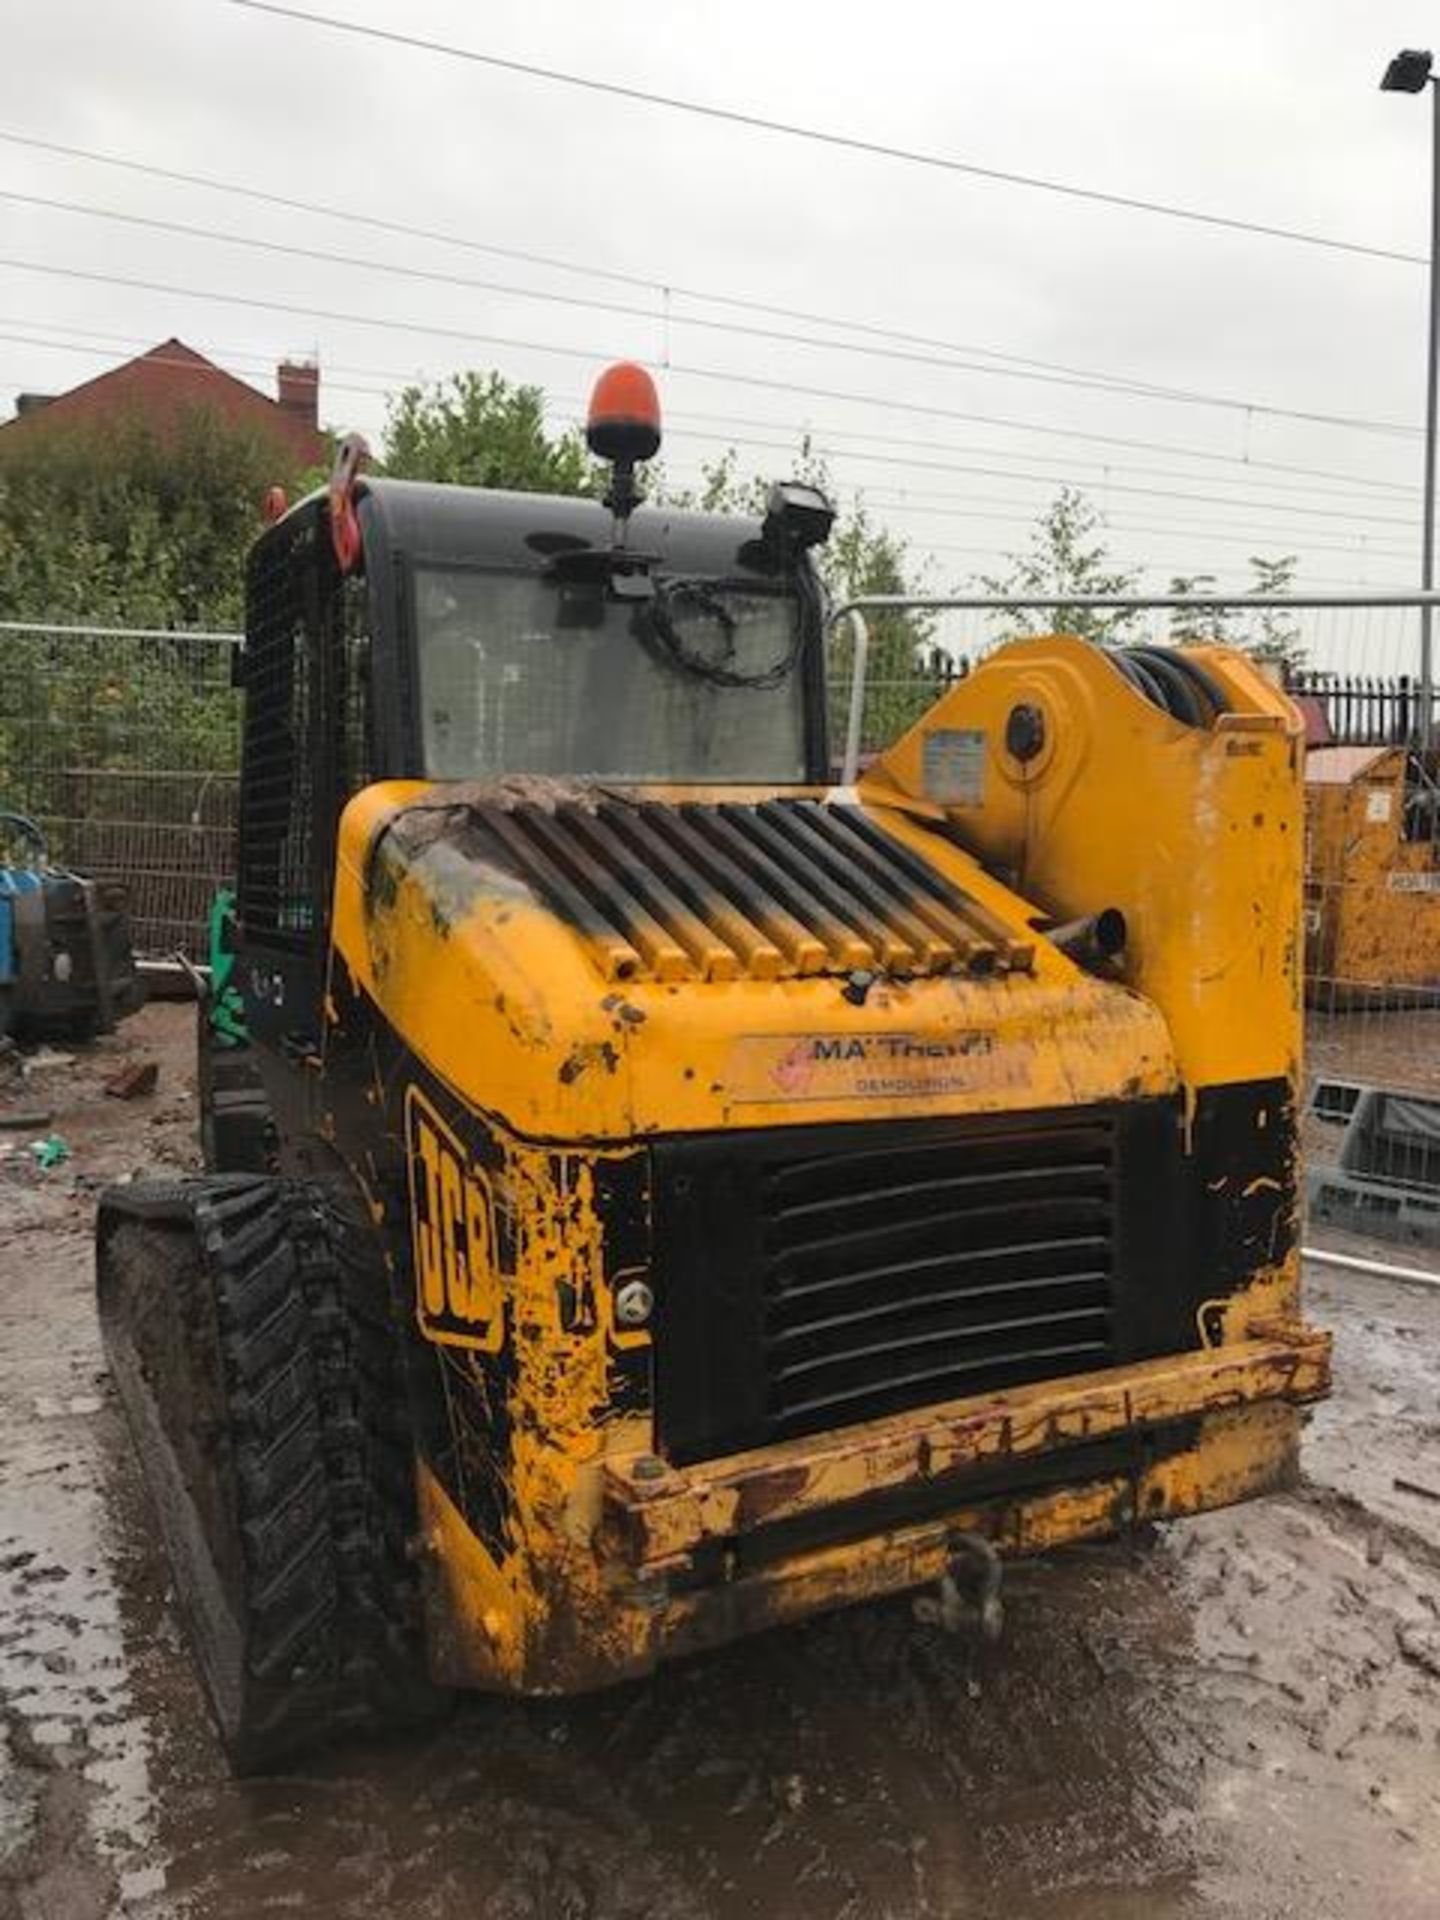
(954, 766)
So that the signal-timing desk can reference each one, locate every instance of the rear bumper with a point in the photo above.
(1125, 1423)
(647, 1562)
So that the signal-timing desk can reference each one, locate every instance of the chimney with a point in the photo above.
(31, 403)
(297, 387)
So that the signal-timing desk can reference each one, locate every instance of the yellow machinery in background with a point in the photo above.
(697, 1194)
(1372, 876)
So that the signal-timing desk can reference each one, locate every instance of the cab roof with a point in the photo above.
(474, 526)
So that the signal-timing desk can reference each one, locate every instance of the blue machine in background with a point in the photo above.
(66, 963)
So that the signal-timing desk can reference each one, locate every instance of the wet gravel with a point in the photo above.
(1238, 1716)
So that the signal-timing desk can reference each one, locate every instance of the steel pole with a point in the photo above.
(1427, 552)
(1378, 1269)
(855, 715)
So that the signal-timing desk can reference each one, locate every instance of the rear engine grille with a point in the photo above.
(903, 1275)
(703, 891)
(808, 1278)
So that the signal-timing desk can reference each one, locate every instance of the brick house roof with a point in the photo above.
(172, 380)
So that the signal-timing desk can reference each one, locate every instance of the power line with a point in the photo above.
(788, 447)
(811, 430)
(995, 507)
(292, 307)
(1247, 537)
(931, 548)
(1061, 480)
(851, 142)
(907, 495)
(1093, 382)
(665, 288)
(1051, 375)
(932, 504)
(1289, 539)
(324, 210)
(1353, 484)
(153, 359)
(1021, 513)
(723, 375)
(1226, 569)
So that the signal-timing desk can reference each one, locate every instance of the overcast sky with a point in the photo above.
(1266, 112)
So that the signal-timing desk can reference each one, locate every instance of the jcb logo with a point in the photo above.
(458, 1301)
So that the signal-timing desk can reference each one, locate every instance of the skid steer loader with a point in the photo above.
(696, 1194)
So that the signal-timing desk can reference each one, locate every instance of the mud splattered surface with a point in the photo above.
(1239, 1717)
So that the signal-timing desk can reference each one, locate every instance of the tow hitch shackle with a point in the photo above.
(967, 1594)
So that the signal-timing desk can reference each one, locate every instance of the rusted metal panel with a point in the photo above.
(655, 1519)
(1372, 879)
(1235, 1455)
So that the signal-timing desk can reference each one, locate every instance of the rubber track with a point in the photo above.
(317, 1464)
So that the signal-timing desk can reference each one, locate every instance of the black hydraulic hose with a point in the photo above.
(1182, 702)
(1140, 678)
(1173, 682)
(1208, 685)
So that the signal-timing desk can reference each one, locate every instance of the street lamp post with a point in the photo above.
(1411, 72)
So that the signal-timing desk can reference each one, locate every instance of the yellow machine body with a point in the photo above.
(1372, 879)
(546, 1043)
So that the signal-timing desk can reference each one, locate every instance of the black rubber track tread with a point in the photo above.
(315, 1465)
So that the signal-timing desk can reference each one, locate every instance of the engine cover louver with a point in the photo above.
(711, 891)
(811, 1278)
(897, 1277)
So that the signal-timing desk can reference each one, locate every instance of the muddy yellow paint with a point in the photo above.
(660, 1522)
(483, 976)
(1195, 834)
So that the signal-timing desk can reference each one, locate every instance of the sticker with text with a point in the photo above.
(775, 1068)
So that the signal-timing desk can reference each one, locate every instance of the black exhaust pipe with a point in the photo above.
(1092, 941)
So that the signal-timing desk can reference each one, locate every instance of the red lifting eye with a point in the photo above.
(350, 456)
(624, 418)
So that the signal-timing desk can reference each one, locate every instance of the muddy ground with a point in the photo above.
(1239, 1717)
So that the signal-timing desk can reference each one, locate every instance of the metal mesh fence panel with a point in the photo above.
(1372, 977)
(1372, 861)
(1356, 661)
(123, 746)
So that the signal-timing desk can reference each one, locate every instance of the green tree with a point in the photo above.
(1266, 633)
(481, 430)
(1275, 635)
(116, 523)
(1066, 556)
(905, 669)
(1208, 625)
